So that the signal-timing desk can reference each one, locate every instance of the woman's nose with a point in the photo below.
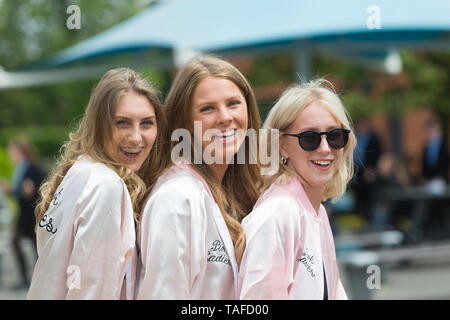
(135, 135)
(225, 115)
(324, 147)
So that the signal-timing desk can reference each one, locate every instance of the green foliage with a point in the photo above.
(159, 79)
(424, 83)
(34, 29)
(430, 82)
(271, 69)
(50, 105)
(6, 167)
(346, 71)
(357, 104)
(264, 108)
(47, 139)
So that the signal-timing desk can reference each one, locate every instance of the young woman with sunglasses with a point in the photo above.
(290, 250)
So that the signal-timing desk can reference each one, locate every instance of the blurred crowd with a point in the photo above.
(384, 191)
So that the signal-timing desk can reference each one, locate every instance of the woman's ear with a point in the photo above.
(282, 147)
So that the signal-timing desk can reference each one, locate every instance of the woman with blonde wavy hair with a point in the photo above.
(190, 238)
(89, 203)
(290, 250)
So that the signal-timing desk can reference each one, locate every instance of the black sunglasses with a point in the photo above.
(310, 140)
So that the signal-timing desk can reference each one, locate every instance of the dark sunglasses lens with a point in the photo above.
(309, 140)
(337, 138)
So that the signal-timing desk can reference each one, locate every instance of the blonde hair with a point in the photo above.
(238, 191)
(292, 101)
(95, 129)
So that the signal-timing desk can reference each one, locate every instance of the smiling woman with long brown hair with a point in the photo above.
(90, 202)
(190, 238)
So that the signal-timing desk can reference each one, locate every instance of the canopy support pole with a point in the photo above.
(303, 63)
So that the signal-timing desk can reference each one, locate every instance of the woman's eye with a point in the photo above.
(148, 123)
(206, 108)
(234, 103)
(121, 123)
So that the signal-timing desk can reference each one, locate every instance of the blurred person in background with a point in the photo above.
(435, 160)
(391, 176)
(91, 201)
(435, 179)
(290, 252)
(366, 157)
(26, 180)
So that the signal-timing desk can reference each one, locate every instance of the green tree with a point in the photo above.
(31, 30)
(34, 29)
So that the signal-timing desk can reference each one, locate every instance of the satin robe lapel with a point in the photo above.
(220, 223)
(329, 255)
(297, 189)
(228, 243)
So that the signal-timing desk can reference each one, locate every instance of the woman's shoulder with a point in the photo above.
(276, 204)
(176, 192)
(94, 173)
(179, 183)
(277, 195)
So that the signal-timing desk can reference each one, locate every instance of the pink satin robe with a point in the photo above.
(186, 251)
(86, 239)
(286, 244)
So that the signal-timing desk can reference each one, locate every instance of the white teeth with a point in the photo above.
(322, 162)
(226, 134)
(132, 150)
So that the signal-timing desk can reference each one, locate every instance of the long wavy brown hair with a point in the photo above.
(238, 192)
(95, 129)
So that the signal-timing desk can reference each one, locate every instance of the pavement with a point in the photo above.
(9, 270)
(420, 282)
(424, 281)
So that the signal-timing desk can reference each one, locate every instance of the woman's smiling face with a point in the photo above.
(316, 167)
(134, 131)
(221, 108)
